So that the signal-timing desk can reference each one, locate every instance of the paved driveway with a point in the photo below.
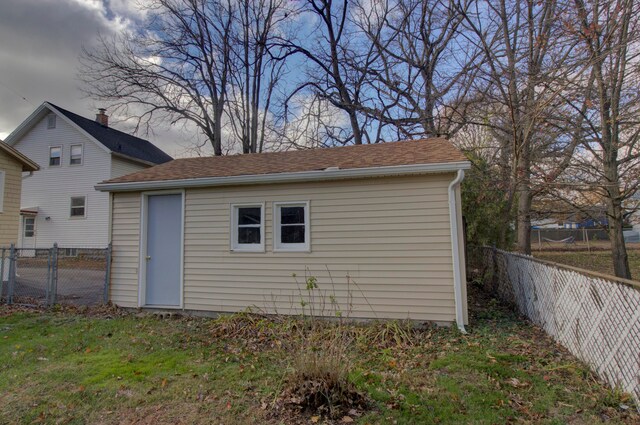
(75, 286)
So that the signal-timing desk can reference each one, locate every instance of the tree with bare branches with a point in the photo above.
(202, 63)
(609, 37)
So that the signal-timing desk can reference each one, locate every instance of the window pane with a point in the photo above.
(248, 235)
(249, 215)
(29, 227)
(76, 155)
(292, 215)
(292, 234)
(54, 156)
(77, 202)
(77, 212)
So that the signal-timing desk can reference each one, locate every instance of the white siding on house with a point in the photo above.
(51, 188)
(122, 167)
(391, 236)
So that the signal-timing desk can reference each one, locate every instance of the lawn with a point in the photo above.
(107, 366)
(598, 261)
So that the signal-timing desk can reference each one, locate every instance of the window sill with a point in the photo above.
(248, 250)
(303, 250)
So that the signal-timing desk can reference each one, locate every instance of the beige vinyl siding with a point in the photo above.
(10, 215)
(125, 240)
(391, 236)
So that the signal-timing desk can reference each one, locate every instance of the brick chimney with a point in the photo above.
(102, 118)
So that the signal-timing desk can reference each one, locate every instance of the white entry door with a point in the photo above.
(163, 258)
(28, 236)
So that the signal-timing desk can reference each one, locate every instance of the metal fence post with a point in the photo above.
(54, 273)
(107, 275)
(12, 274)
(47, 295)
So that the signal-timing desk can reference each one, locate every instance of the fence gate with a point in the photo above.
(55, 275)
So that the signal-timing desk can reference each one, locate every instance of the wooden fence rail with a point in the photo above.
(595, 316)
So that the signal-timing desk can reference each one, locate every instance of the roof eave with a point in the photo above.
(296, 177)
(28, 165)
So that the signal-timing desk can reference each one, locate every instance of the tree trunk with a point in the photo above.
(524, 219)
(616, 236)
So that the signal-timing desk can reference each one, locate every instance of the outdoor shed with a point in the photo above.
(377, 228)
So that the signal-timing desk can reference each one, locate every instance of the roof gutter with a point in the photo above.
(296, 177)
(455, 248)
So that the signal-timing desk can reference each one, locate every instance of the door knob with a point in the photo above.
(148, 257)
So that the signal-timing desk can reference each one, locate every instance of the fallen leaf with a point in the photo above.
(346, 419)
(315, 419)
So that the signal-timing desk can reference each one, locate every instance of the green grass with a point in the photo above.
(598, 261)
(66, 367)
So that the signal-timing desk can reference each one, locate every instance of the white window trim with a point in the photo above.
(78, 217)
(71, 154)
(3, 183)
(52, 121)
(233, 239)
(291, 247)
(61, 156)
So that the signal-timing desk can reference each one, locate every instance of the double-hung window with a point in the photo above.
(55, 156)
(76, 155)
(247, 230)
(78, 206)
(291, 226)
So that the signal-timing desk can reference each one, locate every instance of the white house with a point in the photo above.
(59, 203)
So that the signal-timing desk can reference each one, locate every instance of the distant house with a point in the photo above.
(59, 203)
(12, 165)
(379, 226)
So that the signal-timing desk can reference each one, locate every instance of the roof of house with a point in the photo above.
(339, 161)
(27, 164)
(118, 141)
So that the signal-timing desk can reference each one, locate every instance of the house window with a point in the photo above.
(78, 206)
(248, 227)
(76, 155)
(51, 121)
(29, 227)
(55, 155)
(1, 191)
(291, 226)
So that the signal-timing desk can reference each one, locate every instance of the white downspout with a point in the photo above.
(457, 277)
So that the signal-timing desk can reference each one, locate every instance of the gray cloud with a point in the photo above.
(40, 41)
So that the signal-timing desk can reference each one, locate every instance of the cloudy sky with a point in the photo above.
(39, 48)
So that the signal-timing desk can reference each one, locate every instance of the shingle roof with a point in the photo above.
(27, 163)
(117, 141)
(424, 151)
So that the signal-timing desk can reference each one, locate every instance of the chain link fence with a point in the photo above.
(56, 275)
(595, 316)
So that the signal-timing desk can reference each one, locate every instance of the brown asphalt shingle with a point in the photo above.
(424, 151)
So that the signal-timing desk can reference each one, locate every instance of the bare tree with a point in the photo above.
(528, 62)
(328, 52)
(609, 35)
(255, 74)
(424, 64)
(203, 63)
